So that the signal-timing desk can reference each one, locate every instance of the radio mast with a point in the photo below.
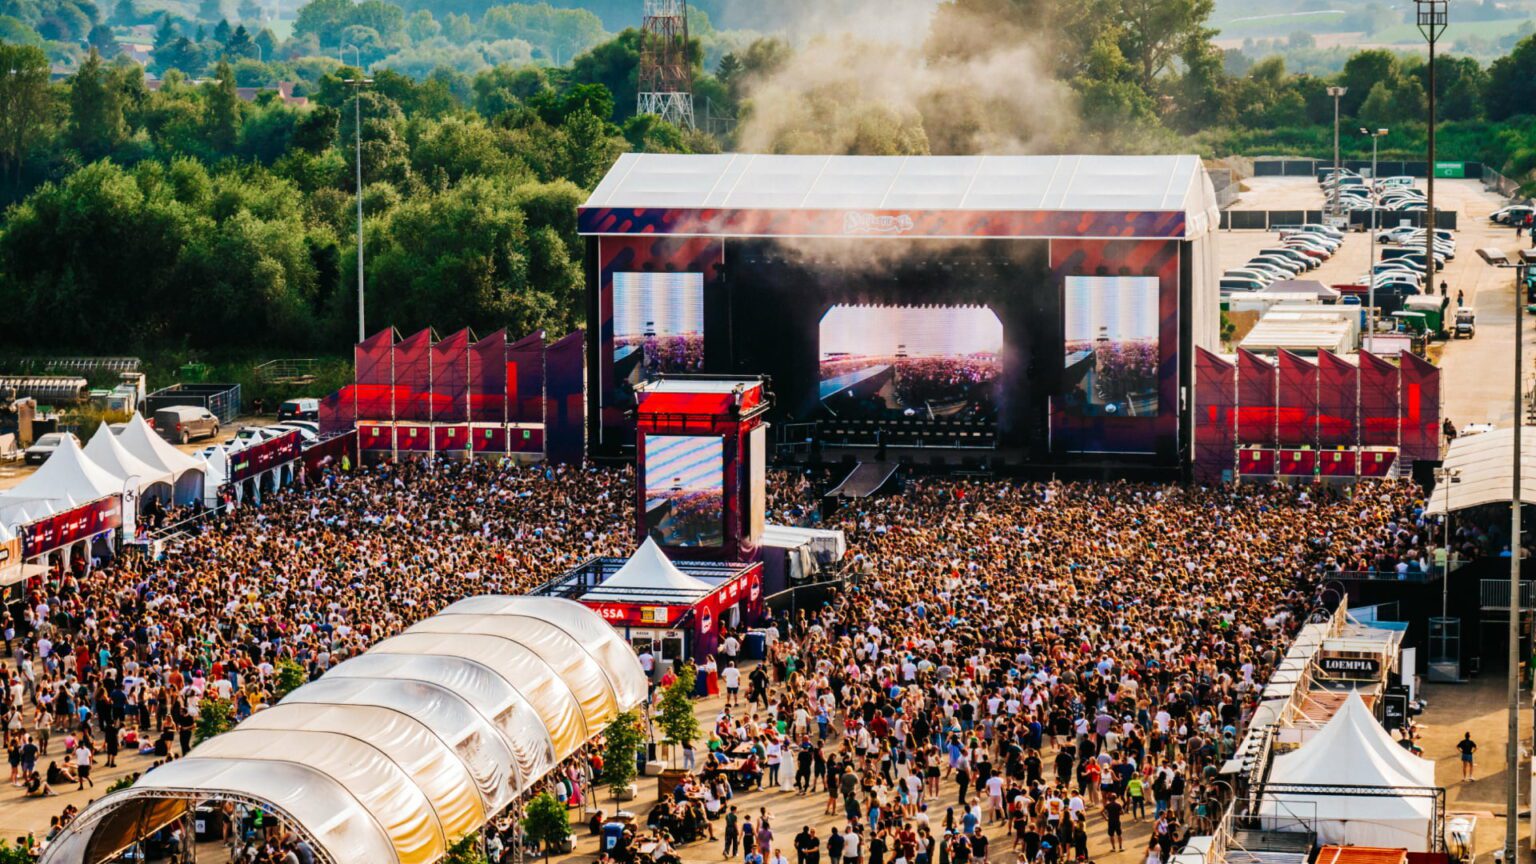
(666, 77)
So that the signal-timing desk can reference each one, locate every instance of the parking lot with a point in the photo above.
(1477, 381)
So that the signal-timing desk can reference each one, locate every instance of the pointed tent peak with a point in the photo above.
(647, 569)
(68, 474)
(148, 447)
(110, 454)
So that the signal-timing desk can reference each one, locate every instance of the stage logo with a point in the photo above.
(855, 222)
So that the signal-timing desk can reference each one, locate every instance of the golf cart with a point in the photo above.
(1466, 323)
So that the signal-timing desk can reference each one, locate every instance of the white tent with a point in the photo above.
(187, 473)
(1352, 749)
(109, 453)
(648, 575)
(397, 754)
(68, 474)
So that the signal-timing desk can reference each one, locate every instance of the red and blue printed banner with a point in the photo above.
(253, 460)
(1035, 224)
(71, 526)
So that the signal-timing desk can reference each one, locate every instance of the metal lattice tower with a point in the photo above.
(666, 79)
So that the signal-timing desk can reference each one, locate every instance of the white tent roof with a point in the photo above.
(1352, 749)
(109, 453)
(648, 570)
(1485, 462)
(828, 544)
(397, 754)
(68, 474)
(152, 450)
(732, 181)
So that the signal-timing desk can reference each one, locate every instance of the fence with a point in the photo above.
(1493, 181)
(1273, 220)
(1297, 167)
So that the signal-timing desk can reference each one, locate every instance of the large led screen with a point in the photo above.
(684, 490)
(658, 324)
(1111, 345)
(912, 361)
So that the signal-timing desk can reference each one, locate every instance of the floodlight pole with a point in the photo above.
(1337, 93)
(357, 132)
(1432, 19)
(1376, 136)
(1498, 259)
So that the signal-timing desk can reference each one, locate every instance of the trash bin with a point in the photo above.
(611, 833)
(205, 824)
(756, 645)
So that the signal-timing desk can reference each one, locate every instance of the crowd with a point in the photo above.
(1050, 656)
(1044, 653)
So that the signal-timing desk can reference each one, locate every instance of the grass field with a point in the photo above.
(1402, 34)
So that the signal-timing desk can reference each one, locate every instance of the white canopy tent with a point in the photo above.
(187, 472)
(648, 574)
(397, 754)
(67, 479)
(1353, 750)
(106, 451)
(1485, 469)
(827, 544)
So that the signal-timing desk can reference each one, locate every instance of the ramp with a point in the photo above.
(864, 480)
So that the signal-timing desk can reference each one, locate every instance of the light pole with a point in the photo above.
(1337, 93)
(1448, 476)
(357, 132)
(1375, 137)
(1432, 17)
(1497, 258)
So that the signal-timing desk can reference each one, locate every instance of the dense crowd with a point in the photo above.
(1057, 652)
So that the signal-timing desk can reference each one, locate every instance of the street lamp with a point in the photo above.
(357, 131)
(1337, 93)
(1497, 258)
(1375, 137)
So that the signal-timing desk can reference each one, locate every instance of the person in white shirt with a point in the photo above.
(732, 678)
(995, 797)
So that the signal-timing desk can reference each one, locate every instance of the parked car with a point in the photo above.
(1263, 277)
(254, 435)
(43, 447)
(303, 424)
(1237, 283)
(180, 424)
(1508, 215)
(1306, 261)
(299, 409)
(306, 436)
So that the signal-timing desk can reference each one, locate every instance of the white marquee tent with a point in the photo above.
(187, 472)
(398, 753)
(68, 479)
(1352, 749)
(647, 575)
(107, 452)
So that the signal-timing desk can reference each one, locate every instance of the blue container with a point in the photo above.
(756, 646)
(611, 833)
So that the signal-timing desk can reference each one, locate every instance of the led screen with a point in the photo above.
(658, 324)
(684, 490)
(1111, 345)
(912, 361)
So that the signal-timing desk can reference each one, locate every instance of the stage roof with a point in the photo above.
(1485, 467)
(933, 196)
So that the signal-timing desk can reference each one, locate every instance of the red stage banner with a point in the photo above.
(338, 411)
(413, 377)
(413, 439)
(1379, 401)
(1377, 461)
(1420, 430)
(1215, 392)
(375, 379)
(1259, 461)
(1297, 409)
(1337, 404)
(525, 379)
(375, 437)
(450, 439)
(71, 526)
(488, 380)
(1297, 463)
(450, 379)
(1256, 384)
(1336, 463)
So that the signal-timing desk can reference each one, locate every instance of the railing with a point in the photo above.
(1385, 575)
(290, 371)
(82, 365)
(1495, 594)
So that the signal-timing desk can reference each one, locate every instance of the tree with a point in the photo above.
(24, 106)
(102, 40)
(675, 715)
(546, 822)
(1509, 81)
(290, 677)
(621, 745)
(1362, 71)
(215, 716)
(615, 64)
(95, 109)
(1154, 31)
(221, 110)
(211, 10)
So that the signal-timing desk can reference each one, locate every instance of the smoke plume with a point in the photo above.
(865, 78)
